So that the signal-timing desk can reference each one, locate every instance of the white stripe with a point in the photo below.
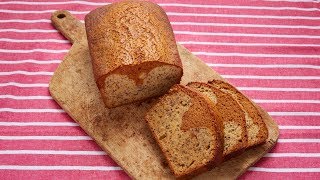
(32, 110)
(235, 54)
(30, 30)
(35, 40)
(31, 61)
(169, 5)
(179, 14)
(279, 89)
(294, 114)
(51, 168)
(247, 44)
(299, 127)
(51, 152)
(265, 65)
(286, 101)
(285, 170)
(25, 21)
(33, 50)
(270, 77)
(38, 124)
(246, 35)
(23, 85)
(58, 138)
(292, 155)
(186, 24)
(244, 25)
(24, 97)
(45, 73)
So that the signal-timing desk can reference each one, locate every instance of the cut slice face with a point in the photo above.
(232, 116)
(256, 128)
(187, 129)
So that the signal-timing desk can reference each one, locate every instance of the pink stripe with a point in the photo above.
(281, 95)
(252, 50)
(284, 83)
(288, 162)
(30, 67)
(272, 175)
(50, 145)
(32, 35)
(42, 131)
(292, 107)
(35, 55)
(267, 71)
(297, 120)
(45, 79)
(257, 60)
(25, 91)
(76, 174)
(34, 45)
(57, 160)
(29, 104)
(299, 133)
(296, 148)
(242, 37)
(37, 117)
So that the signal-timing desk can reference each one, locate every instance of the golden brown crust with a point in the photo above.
(128, 33)
(249, 107)
(188, 123)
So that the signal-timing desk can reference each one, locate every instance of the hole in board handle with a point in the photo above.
(60, 16)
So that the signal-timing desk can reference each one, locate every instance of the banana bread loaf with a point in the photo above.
(133, 51)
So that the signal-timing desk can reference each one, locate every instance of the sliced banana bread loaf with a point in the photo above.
(133, 51)
(233, 118)
(187, 128)
(256, 128)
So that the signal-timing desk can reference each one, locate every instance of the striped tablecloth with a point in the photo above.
(268, 49)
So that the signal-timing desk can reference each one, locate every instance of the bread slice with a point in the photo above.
(133, 51)
(188, 131)
(256, 128)
(233, 118)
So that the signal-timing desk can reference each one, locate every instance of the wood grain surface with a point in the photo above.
(122, 131)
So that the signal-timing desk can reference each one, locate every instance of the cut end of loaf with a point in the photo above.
(190, 143)
(132, 83)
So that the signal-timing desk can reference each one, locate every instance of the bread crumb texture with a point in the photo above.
(184, 129)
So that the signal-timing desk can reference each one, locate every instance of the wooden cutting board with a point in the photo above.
(122, 131)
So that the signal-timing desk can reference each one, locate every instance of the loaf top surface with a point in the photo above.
(129, 33)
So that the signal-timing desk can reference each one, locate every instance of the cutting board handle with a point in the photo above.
(68, 25)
